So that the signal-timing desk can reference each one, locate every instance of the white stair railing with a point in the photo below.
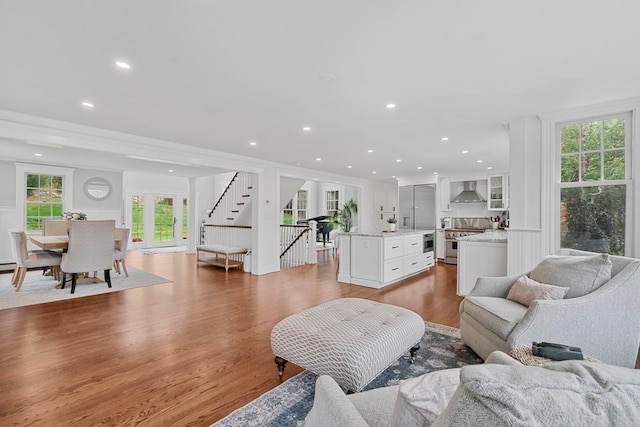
(233, 201)
(231, 235)
(297, 245)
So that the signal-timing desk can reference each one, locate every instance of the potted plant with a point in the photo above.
(392, 223)
(345, 215)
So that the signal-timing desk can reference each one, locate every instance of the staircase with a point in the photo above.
(234, 201)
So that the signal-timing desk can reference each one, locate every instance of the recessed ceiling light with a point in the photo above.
(374, 172)
(369, 151)
(465, 151)
(306, 128)
(390, 106)
(444, 138)
(253, 143)
(171, 170)
(38, 154)
(318, 159)
(349, 167)
(435, 173)
(87, 104)
(419, 167)
(479, 161)
(398, 160)
(489, 167)
(123, 65)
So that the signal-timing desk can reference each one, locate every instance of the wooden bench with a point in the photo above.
(222, 253)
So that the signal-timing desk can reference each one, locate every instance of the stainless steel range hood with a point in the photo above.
(469, 194)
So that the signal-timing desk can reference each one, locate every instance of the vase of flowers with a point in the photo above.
(392, 223)
(69, 216)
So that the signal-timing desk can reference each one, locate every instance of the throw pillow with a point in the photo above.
(582, 274)
(526, 290)
(420, 400)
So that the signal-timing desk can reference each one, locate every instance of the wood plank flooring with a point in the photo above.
(185, 353)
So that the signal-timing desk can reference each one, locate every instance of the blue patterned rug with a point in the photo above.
(288, 404)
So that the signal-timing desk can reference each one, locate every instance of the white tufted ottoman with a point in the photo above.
(353, 340)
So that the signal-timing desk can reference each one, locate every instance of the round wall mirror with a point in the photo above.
(97, 188)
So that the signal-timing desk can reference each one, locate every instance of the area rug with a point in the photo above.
(37, 288)
(288, 404)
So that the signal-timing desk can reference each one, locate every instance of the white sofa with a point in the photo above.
(502, 392)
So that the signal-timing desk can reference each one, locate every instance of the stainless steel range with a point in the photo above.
(461, 227)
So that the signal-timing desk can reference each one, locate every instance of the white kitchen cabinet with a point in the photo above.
(479, 259)
(498, 192)
(377, 261)
(366, 257)
(441, 247)
(445, 194)
(386, 201)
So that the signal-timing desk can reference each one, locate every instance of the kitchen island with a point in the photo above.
(481, 255)
(379, 259)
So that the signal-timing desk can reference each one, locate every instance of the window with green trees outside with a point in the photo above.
(44, 199)
(594, 181)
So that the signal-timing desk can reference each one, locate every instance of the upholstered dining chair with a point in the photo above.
(120, 252)
(90, 249)
(26, 259)
(54, 227)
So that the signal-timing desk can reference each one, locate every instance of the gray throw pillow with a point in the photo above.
(581, 274)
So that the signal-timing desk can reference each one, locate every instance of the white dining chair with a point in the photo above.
(120, 252)
(54, 227)
(90, 249)
(26, 259)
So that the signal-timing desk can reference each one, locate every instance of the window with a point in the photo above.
(331, 202)
(44, 192)
(594, 184)
(137, 218)
(300, 201)
(302, 204)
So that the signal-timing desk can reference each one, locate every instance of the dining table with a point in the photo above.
(56, 242)
(50, 242)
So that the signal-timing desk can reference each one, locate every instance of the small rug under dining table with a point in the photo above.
(288, 404)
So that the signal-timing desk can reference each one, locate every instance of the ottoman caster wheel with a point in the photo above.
(280, 362)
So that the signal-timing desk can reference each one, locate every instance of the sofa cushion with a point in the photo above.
(421, 399)
(581, 274)
(499, 315)
(562, 393)
(527, 290)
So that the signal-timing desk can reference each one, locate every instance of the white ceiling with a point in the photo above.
(218, 74)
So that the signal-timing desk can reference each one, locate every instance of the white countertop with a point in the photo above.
(490, 236)
(391, 233)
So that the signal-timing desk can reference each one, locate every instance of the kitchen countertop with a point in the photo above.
(390, 233)
(489, 236)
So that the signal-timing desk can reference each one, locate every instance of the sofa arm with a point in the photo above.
(493, 286)
(332, 408)
(499, 358)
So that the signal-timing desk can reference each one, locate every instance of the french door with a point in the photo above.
(157, 220)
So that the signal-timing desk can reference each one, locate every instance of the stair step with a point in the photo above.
(230, 219)
(249, 188)
(246, 195)
(235, 211)
(240, 203)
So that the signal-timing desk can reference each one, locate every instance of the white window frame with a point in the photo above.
(326, 200)
(22, 169)
(551, 169)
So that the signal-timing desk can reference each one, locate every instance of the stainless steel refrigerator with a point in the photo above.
(417, 207)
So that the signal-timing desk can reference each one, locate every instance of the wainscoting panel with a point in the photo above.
(8, 219)
(524, 250)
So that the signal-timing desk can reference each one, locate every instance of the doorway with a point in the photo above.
(157, 220)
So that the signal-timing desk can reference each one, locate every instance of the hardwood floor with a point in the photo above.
(185, 353)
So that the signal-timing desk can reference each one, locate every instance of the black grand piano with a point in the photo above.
(324, 226)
